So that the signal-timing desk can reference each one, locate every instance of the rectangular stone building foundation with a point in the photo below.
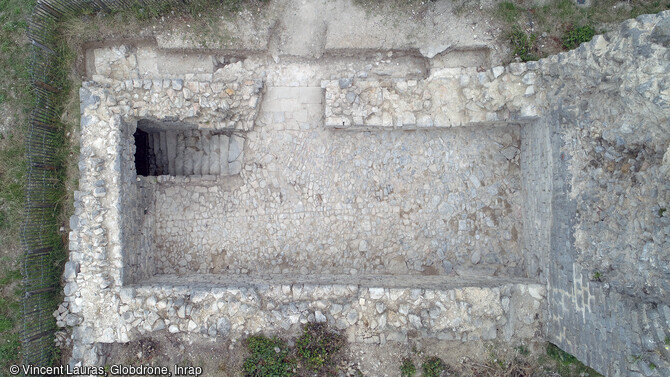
(458, 205)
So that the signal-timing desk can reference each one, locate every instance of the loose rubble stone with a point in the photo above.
(71, 270)
(661, 33)
(345, 83)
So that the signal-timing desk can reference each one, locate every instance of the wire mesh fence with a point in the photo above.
(39, 233)
(39, 230)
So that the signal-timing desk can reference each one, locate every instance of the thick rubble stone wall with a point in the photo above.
(447, 98)
(215, 105)
(373, 315)
(608, 273)
(211, 99)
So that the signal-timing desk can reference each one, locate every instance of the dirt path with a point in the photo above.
(224, 358)
(310, 28)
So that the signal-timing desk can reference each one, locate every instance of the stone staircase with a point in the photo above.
(189, 153)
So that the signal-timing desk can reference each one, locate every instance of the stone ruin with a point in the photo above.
(225, 195)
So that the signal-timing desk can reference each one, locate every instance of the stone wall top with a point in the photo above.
(447, 98)
(207, 105)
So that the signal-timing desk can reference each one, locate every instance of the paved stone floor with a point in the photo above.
(315, 201)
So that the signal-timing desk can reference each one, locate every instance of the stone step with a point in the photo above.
(179, 154)
(194, 152)
(150, 150)
(198, 153)
(165, 169)
(155, 158)
(150, 142)
(206, 140)
(223, 154)
(214, 150)
(235, 150)
(188, 147)
(171, 148)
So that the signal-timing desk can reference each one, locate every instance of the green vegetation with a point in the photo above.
(576, 36)
(9, 338)
(502, 363)
(522, 350)
(559, 355)
(639, 358)
(433, 367)
(508, 11)
(540, 31)
(195, 8)
(269, 357)
(523, 44)
(519, 361)
(10, 315)
(568, 365)
(15, 102)
(661, 211)
(315, 351)
(9, 276)
(147, 12)
(597, 276)
(316, 347)
(407, 368)
(15, 105)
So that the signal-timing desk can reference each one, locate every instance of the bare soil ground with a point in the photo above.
(223, 358)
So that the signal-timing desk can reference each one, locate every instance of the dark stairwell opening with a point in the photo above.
(180, 151)
(142, 158)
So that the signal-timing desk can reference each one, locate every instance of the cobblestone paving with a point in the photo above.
(311, 200)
